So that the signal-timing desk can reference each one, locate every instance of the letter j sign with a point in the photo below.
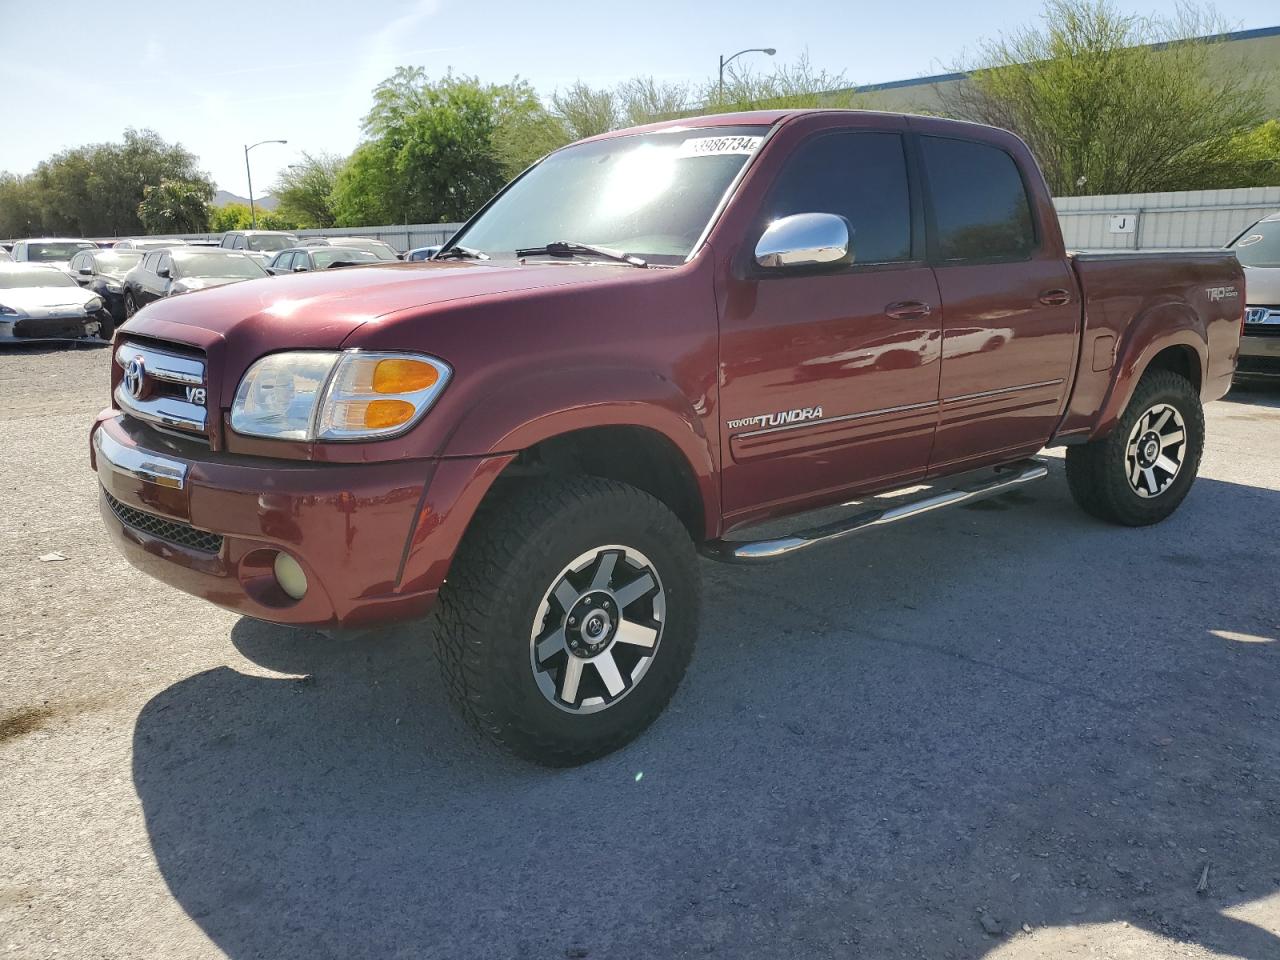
(1123, 223)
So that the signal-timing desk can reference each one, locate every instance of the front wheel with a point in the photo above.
(1140, 472)
(130, 305)
(568, 618)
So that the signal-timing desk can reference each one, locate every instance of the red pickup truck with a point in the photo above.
(646, 343)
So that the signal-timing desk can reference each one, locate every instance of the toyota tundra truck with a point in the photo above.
(648, 343)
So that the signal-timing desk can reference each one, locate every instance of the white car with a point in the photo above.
(1258, 250)
(50, 251)
(43, 303)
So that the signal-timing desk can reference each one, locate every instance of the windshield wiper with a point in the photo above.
(567, 248)
(461, 253)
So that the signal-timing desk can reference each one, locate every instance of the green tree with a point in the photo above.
(306, 190)
(237, 216)
(435, 150)
(1112, 102)
(97, 189)
(176, 206)
(19, 207)
(787, 87)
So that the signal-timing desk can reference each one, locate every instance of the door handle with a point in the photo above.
(1056, 297)
(908, 310)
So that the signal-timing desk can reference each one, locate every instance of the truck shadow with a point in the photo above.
(906, 745)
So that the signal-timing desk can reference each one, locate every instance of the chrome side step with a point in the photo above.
(762, 551)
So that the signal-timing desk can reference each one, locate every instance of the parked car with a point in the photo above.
(103, 272)
(147, 243)
(52, 252)
(379, 248)
(39, 302)
(1258, 250)
(163, 273)
(423, 253)
(262, 244)
(302, 259)
(611, 367)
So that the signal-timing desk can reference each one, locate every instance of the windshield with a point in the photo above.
(650, 195)
(116, 263)
(34, 277)
(324, 256)
(217, 265)
(53, 252)
(271, 242)
(1259, 246)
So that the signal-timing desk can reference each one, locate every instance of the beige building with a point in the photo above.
(1246, 50)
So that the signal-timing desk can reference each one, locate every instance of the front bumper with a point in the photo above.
(34, 329)
(374, 544)
(1259, 355)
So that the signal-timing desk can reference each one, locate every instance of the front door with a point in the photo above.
(829, 378)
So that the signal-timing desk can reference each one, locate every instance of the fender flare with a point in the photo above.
(1150, 332)
(539, 406)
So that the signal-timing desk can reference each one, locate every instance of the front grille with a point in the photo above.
(59, 327)
(173, 531)
(1262, 321)
(168, 388)
(1268, 365)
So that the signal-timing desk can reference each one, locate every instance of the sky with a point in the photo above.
(218, 74)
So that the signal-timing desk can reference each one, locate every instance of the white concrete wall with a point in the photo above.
(1184, 220)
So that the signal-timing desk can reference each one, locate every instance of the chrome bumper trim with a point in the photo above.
(163, 366)
(165, 411)
(135, 462)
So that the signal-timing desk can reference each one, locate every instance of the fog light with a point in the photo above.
(290, 576)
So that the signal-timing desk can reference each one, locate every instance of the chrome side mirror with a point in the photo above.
(805, 240)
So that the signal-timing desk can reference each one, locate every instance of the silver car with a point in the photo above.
(1258, 250)
(43, 303)
(50, 251)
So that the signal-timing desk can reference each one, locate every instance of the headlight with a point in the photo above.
(324, 395)
(114, 286)
(7, 311)
(93, 305)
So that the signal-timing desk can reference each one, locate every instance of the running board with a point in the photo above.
(762, 551)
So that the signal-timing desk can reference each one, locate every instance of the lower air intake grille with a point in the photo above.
(182, 534)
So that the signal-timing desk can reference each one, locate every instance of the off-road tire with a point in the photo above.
(518, 542)
(1097, 472)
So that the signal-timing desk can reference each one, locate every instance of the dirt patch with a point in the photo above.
(18, 723)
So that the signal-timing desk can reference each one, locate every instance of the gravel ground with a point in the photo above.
(1006, 731)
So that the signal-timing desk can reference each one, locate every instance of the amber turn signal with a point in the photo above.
(380, 414)
(403, 376)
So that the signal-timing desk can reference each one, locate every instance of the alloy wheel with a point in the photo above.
(597, 629)
(1155, 451)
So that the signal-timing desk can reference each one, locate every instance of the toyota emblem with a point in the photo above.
(135, 373)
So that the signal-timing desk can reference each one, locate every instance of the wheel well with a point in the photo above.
(638, 456)
(1180, 360)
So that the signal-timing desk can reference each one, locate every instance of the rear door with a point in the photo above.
(829, 379)
(1010, 316)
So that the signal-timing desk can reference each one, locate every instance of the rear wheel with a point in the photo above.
(130, 305)
(1143, 469)
(568, 618)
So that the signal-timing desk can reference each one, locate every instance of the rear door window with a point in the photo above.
(979, 204)
(859, 176)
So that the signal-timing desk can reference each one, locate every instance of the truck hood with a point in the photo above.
(1262, 286)
(320, 309)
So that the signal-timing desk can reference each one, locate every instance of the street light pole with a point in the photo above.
(725, 61)
(253, 210)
